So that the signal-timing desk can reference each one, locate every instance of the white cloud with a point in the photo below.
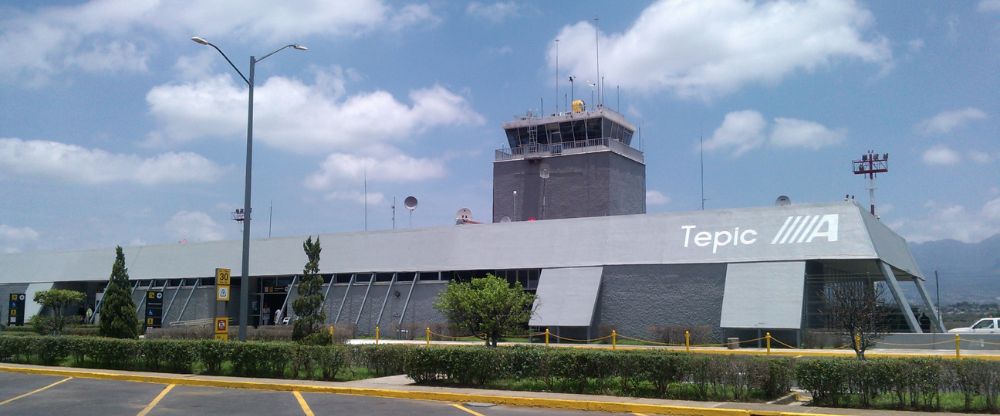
(954, 222)
(373, 198)
(9, 233)
(39, 44)
(342, 167)
(790, 132)
(496, 12)
(710, 48)
(193, 226)
(980, 156)
(654, 197)
(986, 6)
(946, 121)
(95, 166)
(941, 155)
(303, 118)
(740, 131)
(915, 45)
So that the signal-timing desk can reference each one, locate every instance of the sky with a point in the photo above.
(116, 128)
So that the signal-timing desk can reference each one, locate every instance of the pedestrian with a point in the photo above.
(277, 317)
(89, 315)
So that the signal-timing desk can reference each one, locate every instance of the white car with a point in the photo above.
(982, 326)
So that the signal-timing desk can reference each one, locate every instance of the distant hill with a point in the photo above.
(968, 272)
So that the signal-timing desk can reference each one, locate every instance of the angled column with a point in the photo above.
(897, 293)
(938, 325)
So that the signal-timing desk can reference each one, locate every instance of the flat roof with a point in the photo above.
(833, 231)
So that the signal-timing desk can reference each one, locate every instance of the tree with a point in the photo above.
(57, 300)
(858, 311)
(118, 318)
(487, 307)
(308, 306)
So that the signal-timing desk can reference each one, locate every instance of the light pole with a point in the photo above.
(245, 276)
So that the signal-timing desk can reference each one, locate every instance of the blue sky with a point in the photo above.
(115, 128)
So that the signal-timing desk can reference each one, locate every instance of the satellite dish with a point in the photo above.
(410, 202)
(783, 201)
(463, 214)
(505, 219)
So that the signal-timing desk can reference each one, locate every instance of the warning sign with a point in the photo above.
(222, 276)
(222, 325)
(154, 308)
(222, 293)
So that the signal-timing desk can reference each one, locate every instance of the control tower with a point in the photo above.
(566, 165)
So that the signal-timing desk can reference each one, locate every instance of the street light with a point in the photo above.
(244, 278)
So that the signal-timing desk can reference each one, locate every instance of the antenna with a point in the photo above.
(270, 214)
(871, 164)
(701, 157)
(618, 92)
(783, 201)
(557, 76)
(411, 204)
(366, 198)
(597, 50)
(393, 212)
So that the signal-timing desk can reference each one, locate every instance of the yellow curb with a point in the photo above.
(616, 407)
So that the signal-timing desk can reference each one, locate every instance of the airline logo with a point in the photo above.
(797, 229)
(806, 228)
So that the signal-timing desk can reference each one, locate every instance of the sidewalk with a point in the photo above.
(400, 387)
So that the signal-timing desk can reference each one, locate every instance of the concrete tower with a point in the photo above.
(567, 165)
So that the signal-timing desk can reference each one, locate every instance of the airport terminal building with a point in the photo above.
(593, 267)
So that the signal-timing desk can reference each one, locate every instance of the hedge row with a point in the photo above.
(635, 373)
(914, 383)
(252, 359)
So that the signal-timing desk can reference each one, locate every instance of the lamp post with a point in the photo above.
(245, 276)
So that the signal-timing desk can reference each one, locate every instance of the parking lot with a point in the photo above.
(28, 394)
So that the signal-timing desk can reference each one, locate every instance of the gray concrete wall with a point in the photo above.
(634, 299)
(580, 185)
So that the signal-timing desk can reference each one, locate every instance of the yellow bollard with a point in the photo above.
(427, 335)
(376, 335)
(546, 337)
(614, 339)
(330, 330)
(687, 341)
(958, 346)
(768, 338)
(857, 342)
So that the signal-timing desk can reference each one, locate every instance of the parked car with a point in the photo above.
(982, 326)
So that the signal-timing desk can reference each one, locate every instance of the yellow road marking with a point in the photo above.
(466, 410)
(35, 391)
(638, 414)
(156, 401)
(302, 403)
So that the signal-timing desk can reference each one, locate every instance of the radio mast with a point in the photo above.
(871, 164)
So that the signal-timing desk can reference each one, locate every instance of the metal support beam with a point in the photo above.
(133, 287)
(897, 293)
(284, 304)
(936, 324)
(386, 300)
(344, 300)
(402, 314)
(364, 299)
(171, 303)
(184, 308)
(97, 307)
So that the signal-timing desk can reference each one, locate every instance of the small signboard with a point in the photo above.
(154, 308)
(15, 312)
(222, 293)
(222, 277)
(221, 325)
(222, 337)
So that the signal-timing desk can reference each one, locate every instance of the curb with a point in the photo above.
(591, 405)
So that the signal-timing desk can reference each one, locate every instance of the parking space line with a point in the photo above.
(36, 391)
(156, 401)
(302, 403)
(466, 410)
(639, 414)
